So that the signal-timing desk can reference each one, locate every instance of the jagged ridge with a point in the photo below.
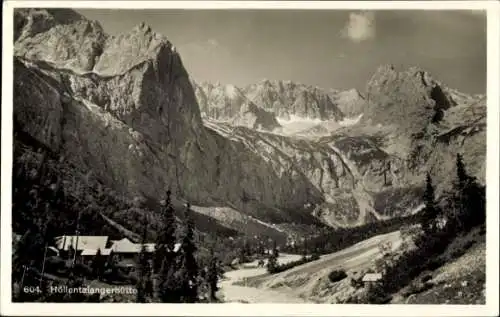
(131, 116)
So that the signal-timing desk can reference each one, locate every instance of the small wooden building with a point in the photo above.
(88, 255)
(371, 278)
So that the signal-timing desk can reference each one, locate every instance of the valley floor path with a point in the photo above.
(237, 293)
(271, 289)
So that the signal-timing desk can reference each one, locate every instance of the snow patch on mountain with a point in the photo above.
(307, 127)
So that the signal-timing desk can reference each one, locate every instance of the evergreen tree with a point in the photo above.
(304, 253)
(165, 260)
(431, 210)
(29, 251)
(98, 264)
(213, 275)
(469, 198)
(166, 238)
(272, 262)
(189, 267)
(143, 268)
(260, 247)
(171, 290)
(245, 251)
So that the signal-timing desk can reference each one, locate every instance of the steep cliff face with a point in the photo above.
(227, 103)
(74, 44)
(137, 126)
(425, 122)
(409, 99)
(254, 117)
(350, 102)
(29, 22)
(219, 102)
(286, 99)
(346, 172)
(125, 108)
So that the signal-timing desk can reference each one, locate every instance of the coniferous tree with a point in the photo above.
(50, 195)
(272, 262)
(304, 253)
(469, 202)
(245, 251)
(29, 250)
(165, 260)
(98, 264)
(189, 266)
(166, 238)
(213, 275)
(171, 290)
(431, 210)
(143, 268)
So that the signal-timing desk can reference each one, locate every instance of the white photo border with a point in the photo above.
(84, 309)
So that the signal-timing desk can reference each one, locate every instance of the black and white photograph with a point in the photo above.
(253, 155)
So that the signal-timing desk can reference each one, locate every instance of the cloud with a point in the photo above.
(360, 27)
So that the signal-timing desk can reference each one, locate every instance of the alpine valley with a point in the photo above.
(119, 117)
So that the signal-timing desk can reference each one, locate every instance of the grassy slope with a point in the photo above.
(460, 280)
(311, 279)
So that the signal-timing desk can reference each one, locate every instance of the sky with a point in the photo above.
(338, 49)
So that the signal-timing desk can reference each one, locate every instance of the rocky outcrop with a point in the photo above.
(254, 117)
(219, 102)
(29, 22)
(137, 126)
(76, 43)
(227, 103)
(286, 99)
(409, 100)
(37, 106)
(125, 108)
(426, 123)
(350, 102)
(345, 171)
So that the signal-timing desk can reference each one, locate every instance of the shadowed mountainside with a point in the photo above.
(124, 108)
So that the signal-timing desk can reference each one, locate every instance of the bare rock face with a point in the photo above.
(283, 99)
(125, 108)
(226, 103)
(350, 102)
(29, 22)
(286, 99)
(38, 108)
(427, 122)
(219, 102)
(409, 99)
(462, 131)
(73, 44)
(136, 124)
(255, 118)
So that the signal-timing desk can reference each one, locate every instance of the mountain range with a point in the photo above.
(269, 157)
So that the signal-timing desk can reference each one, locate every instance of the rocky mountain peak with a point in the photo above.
(287, 99)
(69, 40)
(255, 118)
(61, 37)
(410, 99)
(351, 102)
(30, 21)
(143, 27)
(127, 50)
(386, 74)
(128, 113)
